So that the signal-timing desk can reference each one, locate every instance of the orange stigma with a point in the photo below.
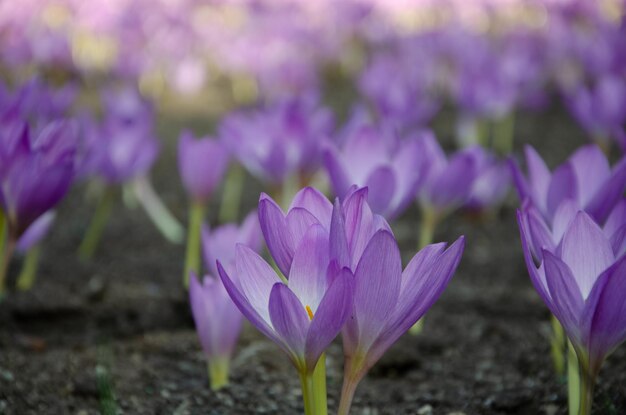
(309, 312)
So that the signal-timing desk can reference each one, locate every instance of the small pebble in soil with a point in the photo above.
(425, 410)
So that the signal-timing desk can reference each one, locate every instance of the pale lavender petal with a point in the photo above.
(540, 235)
(332, 313)
(563, 217)
(315, 202)
(36, 232)
(586, 251)
(378, 277)
(592, 169)
(290, 320)
(451, 188)
(618, 241)
(337, 172)
(277, 235)
(539, 177)
(409, 171)
(338, 244)
(358, 223)
(382, 186)
(537, 276)
(562, 186)
(565, 293)
(299, 220)
(307, 277)
(616, 219)
(609, 194)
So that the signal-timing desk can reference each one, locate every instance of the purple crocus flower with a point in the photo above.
(283, 232)
(280, 140)
(586, 177)
(218, 323)
(202, 164)
(219, 243)
(491, 183)
(374, 157)
(583, 285)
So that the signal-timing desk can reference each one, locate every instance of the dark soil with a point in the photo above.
(117, 332)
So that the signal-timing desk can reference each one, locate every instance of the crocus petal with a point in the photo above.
(36, 232)
(338, 244)
(337, 172)
(359, 223)
(562, 186)
(315, 202)
(331, 315)
(566, 296)
(299, 220)
(586, 251)
(382, 185)
(591, 169)
(609, 194)
(307, 277)
(276, 233)
(563, 217)
(290, 321)
(452, 186)
(540, 235)
(377, 286)
(255, 278)
(409, 172)
(605, 311)
(616, 219)
(539, 177)
(262, 323)
(618, 241)
(537, 277)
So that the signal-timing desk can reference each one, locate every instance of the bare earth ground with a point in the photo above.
(117, 332)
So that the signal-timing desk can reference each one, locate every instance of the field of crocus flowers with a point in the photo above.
(277, 207)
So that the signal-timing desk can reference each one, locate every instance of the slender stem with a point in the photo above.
(218, 372)
(573, 380)
(7, 254)
(97, 224)
(347, 395)
(558, 346)
(26, 279)
(165, 222)
(192, 256)
(504, 133)
(306, 382)
(319, 387)
(231, 197)
(587, 384)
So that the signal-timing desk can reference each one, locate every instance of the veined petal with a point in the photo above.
(566, 296)
(338, 243)
(378, 277)
(290, 320)
(299, 220)
(586, 251)
(592, 169)
(539, 176)
(332, 313)
(358, 223)
(307, 277)
(537, 276)
(540, 235)
(609, 194)
(255, 278)
(616, 219)
(315, 203)
(277, 235)
(563, 217)
(618, 241)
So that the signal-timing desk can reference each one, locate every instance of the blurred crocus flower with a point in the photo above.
(218, 323)
(280, 140)
(283, 233)
(392, 169)
(201, 163)
(219, 243)
(601, 109)
(583, 285)
(491, 183)
(586, 178)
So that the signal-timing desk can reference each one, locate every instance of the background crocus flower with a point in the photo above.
(491, 183)
(392, 169)
(201, 164)
(389, 301)
(279, 140)
(219, 243)
(303, 315)
(586, 178)
(218, 323)
(583, 286)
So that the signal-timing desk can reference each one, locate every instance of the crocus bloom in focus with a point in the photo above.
(375, 157)
(389, 301)
(218, 323)
(586, 178)
(583, 285)
(202, 164)
(219, 243)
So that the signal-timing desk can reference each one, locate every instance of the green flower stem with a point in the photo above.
(430, 219)
(26, 279)
(192, 256)
(165, 222)
(218, 372)
(319, 387)
(306, 382)
(558, 347)
(99, 220)
(7, 253)
(573, 381)
(231, 197)
(587, 384)
(504, 133)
